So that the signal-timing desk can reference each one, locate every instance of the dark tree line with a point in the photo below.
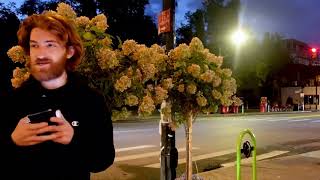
(9, 24)
(126, 18)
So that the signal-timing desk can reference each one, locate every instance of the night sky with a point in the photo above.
(299, 19)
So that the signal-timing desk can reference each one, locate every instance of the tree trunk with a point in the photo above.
(189, 146)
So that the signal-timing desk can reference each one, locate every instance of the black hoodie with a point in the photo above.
(91, 149)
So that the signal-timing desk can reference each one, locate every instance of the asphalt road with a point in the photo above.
(214, 140)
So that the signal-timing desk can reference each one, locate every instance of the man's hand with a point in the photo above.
(27, 134)
(63, 130)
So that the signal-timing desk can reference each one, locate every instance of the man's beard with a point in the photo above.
(52, 71)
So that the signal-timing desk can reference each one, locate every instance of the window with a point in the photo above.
(311, 99)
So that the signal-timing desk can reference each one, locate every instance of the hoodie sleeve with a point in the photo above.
(100, 144)
(7, 126)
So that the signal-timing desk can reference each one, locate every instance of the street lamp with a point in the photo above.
(316, 84)
(238, 37)
(313, 53)
(314, 56)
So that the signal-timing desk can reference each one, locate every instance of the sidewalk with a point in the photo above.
(296, 167)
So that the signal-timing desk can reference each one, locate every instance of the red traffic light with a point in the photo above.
(314, 53)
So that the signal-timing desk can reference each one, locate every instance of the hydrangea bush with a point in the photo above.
(200, 84)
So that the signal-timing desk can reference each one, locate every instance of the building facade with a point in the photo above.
(302, 75)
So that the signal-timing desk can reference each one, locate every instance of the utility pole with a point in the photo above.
(317, 99)
(169, 153)
(168, 36)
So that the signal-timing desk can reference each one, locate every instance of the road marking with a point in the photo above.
(196, 158)
(134, 148)
(259, 157)
(254, 119)
(313, 154)
(268, 119)
(299, 120)
(316, 121)
(305, 116)
(274, 120)
(259, 119)
(136, 130)
(144, 155)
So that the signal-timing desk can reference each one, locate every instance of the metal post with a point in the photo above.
(303, 103)
(242, 108)
(316, 83)
(302, 99)
(169, 153)
(254, 160)
(164, 152)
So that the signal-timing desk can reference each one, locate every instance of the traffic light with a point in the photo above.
(313, 53)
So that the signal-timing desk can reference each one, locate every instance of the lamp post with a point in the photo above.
(314, 56)
(238, 38)
(316, 84)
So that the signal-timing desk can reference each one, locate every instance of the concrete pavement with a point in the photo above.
(296, 167)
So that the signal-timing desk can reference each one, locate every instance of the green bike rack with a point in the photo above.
(253, 149)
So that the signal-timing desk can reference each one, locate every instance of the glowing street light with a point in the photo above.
(313, 53)
(238, 37)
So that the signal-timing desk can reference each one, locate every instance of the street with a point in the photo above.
(214, 141)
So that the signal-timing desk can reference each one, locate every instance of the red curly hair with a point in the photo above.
(64, 29)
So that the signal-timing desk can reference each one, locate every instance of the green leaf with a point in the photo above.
(97, 31)
(120, 42)
(89, 36)
(87, 44)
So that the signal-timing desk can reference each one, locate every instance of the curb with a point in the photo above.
(136, 119)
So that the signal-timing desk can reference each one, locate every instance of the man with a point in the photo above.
(80, 140)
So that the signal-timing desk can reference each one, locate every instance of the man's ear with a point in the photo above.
(70, 52)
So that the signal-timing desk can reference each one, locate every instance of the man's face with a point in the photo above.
(48, 55)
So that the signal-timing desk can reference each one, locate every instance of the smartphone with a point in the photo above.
(43, 116)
